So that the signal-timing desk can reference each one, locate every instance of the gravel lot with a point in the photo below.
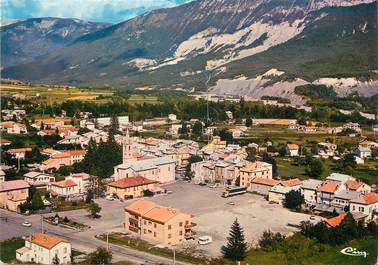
(214, 216)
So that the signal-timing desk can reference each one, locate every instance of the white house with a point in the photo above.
(308, 190)
(363, 152)
(43, 248)
(64, 188)
(38, 178)
(365, 204)
(292, 149)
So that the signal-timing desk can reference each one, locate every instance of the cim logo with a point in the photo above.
(353, 252)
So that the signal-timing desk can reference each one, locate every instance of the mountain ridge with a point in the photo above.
(174, 48)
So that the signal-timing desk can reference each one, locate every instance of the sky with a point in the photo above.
(113, 11)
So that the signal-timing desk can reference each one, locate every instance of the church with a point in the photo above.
(160, 169)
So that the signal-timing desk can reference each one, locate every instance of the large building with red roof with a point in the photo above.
(130, 187)
(157, 223)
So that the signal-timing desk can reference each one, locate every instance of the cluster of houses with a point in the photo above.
(326, 130)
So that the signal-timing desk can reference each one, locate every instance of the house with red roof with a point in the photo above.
(64, 188)
(335, 221)
(42, 249)
(357, 185)
(13, 127)
(19, 153)
(157, 223)
(63, 158)
(13, 193)
(326, 191)
(130, 187)
(366, 204)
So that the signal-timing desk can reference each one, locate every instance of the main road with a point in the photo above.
(85, 241)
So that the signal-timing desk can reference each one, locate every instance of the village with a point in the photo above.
(175, 193)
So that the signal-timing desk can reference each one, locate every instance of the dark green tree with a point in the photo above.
(269, 159)
(249, 122)
(251, 154)
(314, 168)
(197, 129)
(293, 199)
(94, 209)
(36, 202)
(236, 246)
(100, 257)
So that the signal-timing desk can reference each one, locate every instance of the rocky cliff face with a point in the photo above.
(179, 47)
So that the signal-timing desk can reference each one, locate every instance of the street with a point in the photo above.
(82, 241)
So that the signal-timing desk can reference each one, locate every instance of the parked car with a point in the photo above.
(27, 224)
(215, 185)
(312, 217)
(205, 240)
(231, 203)
(109, 198)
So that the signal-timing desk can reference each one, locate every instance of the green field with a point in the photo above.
(52, 95)
(308, 252)
(8, 250)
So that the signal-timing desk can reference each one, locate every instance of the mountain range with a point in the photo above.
(242, 47)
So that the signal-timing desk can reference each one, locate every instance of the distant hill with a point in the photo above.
(25, 40)
(179, 47)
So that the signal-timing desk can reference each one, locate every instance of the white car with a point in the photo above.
(205, 240)
(109, 198)
(27, 224)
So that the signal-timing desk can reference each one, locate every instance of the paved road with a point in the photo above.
(83, 241)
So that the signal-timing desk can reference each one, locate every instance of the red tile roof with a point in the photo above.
(369, 198)
(161, 214)
(65, 183)
(336, 221)
(4, 141)
(354, 184)
(140, 207)
(131, 182)
(292, 182)
(13, 185)
(45, 240)
(19, 150)
(264, 181)
(329, 186)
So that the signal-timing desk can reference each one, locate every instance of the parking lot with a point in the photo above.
(214, 215)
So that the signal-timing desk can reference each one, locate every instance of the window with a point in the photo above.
(144, 231)
(65, 250)
(155, 225)
(180, 224)
(169, 235)
(361, 209)
(145, 222)
(186, 222)
(169, 226)
(180, 233)
(149, 223)
(154, 234)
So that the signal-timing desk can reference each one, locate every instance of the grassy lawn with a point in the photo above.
(317, 255)
(367, 172)
(135, 243)
(50, 95)
(62, 206)
(140, 99)
(8, 249)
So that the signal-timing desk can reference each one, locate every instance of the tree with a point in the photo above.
(270, 241)
(56, 260)
(348, 160)
(314, 168)
(94, 209)
(100, 257)
(36, 202)
(89, 197)
(251, 154)
(197, 129)
(293, 199)
(236, 246)
(248, 122)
